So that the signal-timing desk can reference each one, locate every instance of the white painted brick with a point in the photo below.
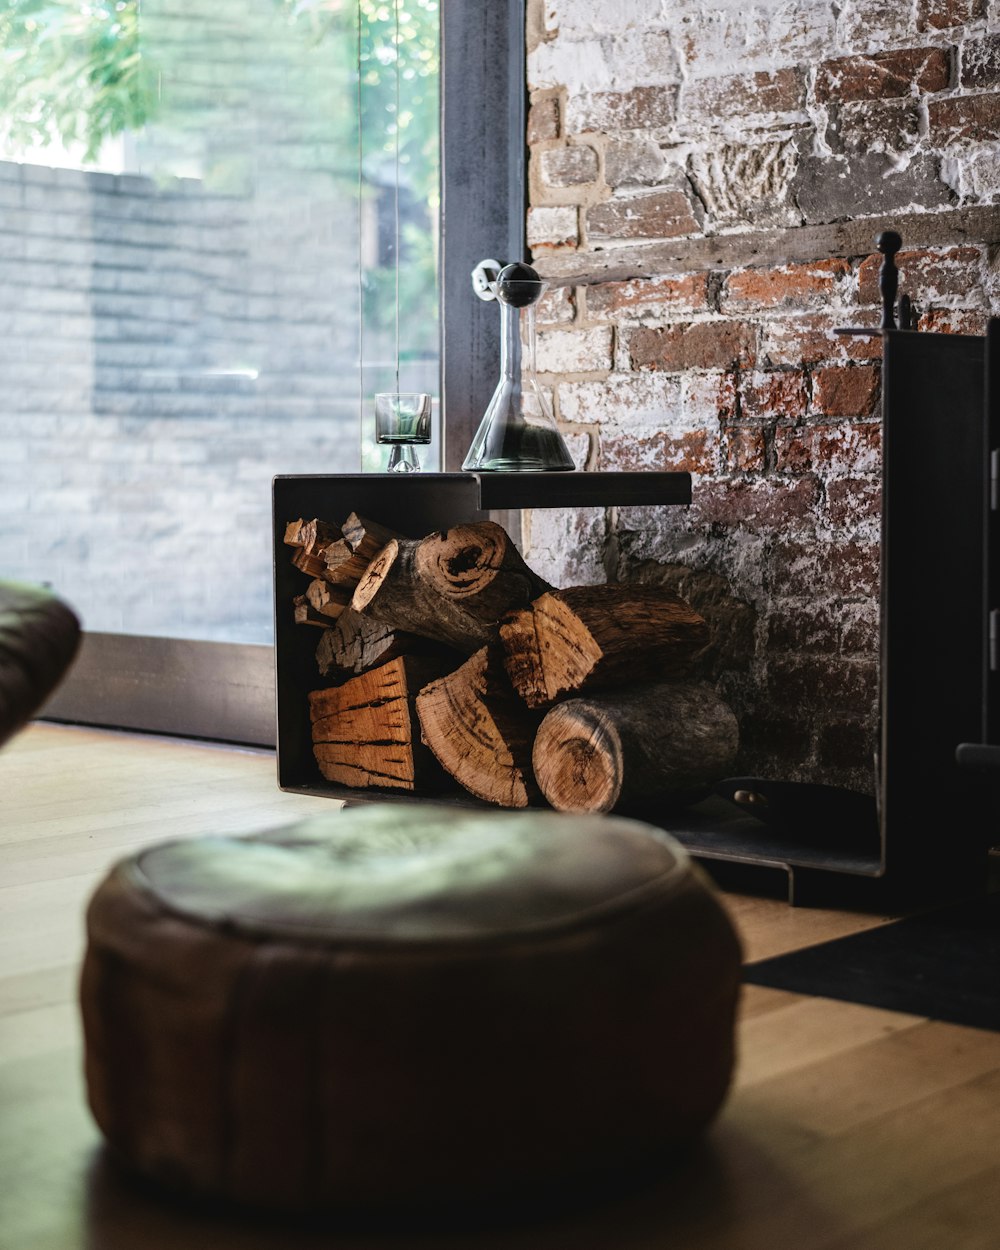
(630, 401)
(553, 227)
(573, 351)
(566, 546)
(578, 65)
(599, 16)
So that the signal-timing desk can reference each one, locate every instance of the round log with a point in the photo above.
(478, 566)
(622, 747)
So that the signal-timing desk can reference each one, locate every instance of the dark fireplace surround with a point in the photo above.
(934, 812)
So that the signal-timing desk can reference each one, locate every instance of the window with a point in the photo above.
(218, 310)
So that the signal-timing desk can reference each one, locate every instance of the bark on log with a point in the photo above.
(596, 636)
(480, 731)
(365, 732)
(357, 643)
(392, 591)
(453, 586)
(479, 568)
(623, 747)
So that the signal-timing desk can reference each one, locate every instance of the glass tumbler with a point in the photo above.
(403, 421)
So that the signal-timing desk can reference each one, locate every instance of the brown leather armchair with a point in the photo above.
(39, 636)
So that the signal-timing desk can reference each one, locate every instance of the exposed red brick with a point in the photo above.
(804, 628)
(848, 569)
(925, 275)
(882, 75)
(846, 744)
(543, 119)
(842, 448)
(810, 340)
(795, 285)
(628, 451)
(965, 119)
(641, 108)
(684, 293)
(846, 391)
(851, 686)
(879, 125)
(953, 321)
(755, 503)
(850, 501)
(707, 100)
(693, 345)
(771, 396)
(943, 14)
(746, 449)
(653, 215)
(981, 62)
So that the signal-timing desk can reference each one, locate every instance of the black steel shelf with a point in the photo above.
(581, 490)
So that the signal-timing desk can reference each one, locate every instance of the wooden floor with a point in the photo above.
(849, 1128)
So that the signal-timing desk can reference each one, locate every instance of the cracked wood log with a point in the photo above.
(357, 643)
(478, 567)
(453, 586)
(623, 747)
(595, 636)
(349, 557)
(365, 733)
(303, 613)
(480, 731)
(310, 540)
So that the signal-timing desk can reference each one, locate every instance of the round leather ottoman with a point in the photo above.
(399, 1005)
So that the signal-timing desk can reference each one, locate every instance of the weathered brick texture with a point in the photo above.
(766, 127)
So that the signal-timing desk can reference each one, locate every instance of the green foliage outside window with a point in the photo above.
(80, 73)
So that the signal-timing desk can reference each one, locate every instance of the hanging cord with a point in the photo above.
(396, 188)
(361, 249)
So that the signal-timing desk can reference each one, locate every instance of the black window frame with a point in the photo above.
(225, 691)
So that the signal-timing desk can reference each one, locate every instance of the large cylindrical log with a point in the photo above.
(596, 636)
(479, 567)
(480, 731)
(622, 747)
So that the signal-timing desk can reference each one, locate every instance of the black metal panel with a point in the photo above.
(991, 554)
(932, 602)
(483, 196)
(582, 490)
(415, 506)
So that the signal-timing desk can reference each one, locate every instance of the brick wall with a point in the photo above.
(706, 180)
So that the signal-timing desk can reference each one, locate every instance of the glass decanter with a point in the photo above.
(518, 432)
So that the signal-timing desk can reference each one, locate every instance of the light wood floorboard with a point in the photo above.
(849, 1127)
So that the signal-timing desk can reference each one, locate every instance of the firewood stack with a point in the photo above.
(447, 656)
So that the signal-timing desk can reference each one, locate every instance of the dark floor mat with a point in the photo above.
(944, 964)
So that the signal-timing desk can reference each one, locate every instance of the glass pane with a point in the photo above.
(192, 221)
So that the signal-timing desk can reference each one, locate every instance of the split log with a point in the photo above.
(365, 732)
(480, 731)
(305, 614)
(366, 538)
(329, 601)
(347, 559)
(479, 568)
(357, 643)
(310, 534)
(595, 636)
(620, 748)
(392, 592)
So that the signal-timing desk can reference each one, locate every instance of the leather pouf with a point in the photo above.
(406, 1004)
